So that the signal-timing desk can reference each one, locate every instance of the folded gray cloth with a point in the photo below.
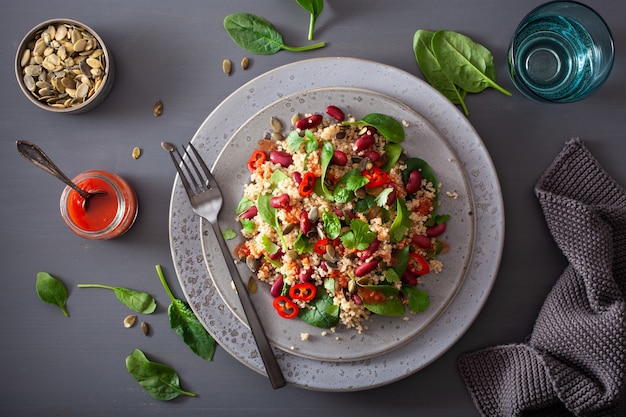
(574, 362)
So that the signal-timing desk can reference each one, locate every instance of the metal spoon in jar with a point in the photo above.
(36, 156)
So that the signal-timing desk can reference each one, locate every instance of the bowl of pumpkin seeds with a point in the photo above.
(63, 66)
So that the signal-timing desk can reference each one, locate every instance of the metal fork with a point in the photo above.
(206, 200)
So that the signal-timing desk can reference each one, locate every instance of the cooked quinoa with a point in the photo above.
(348, 227)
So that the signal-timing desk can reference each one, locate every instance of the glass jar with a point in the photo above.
(108, 214)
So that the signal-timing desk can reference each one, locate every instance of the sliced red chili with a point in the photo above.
(320, 246)
(305, 291)
(307, 184)
(418, 265)
(377, 177)
(256, 160)
(285, 307)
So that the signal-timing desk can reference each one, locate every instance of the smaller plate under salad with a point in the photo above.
(382, 333)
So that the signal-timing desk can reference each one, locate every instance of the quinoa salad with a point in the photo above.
(339, 222)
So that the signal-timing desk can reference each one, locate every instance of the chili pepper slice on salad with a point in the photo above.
(418, 265)
(307, 185)
(304, 291)
(256, 160)
(285, 307)
(320, 246)
(376, 176)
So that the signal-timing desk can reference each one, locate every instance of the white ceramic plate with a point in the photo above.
(233, 336)
(383, 334)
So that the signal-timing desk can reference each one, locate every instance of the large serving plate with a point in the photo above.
(436, 339)
(383, 334)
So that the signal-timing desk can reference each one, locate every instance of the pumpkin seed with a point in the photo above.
(276, 124)
(227, 66)
(295, 118)
(245, 62)
(157, 110)
(129, 321)
(136, 152)
(145, 328)
(252, 286)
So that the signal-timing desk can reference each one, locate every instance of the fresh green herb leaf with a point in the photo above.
(314, 7)
(332, 224)
(431, 68)
(161, 381)
(383, 196)
(248, 226)
(393, 152)
(418, 300)
(329, 285)
(389, 127)
(185, 324)
(324, 313)
(401, 224)
(138, 301)
(276, 177)
(229, 234)
(347, 184)
(401, 261)
(466, 63)
(52, 291)
(391, 276)
(359, 237)
(270, 215)
(269, 246)
(328, 150)
(391, 305)
(257, 35)
(302, 244)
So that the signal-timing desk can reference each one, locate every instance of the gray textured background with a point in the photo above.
(53, 366)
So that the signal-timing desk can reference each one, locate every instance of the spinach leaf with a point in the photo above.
(332, 224)
(138, 301)
(185, 324)
(258, 36)
(314, 7)
(229, 234)
(466, 63)
(52, 291)
(431, 68)
(270, 215)
(302, 244)
(328, 150)
(243, 205)
(401, 224)
(390, 303)
(389, 127)
(418, 300)
(393, 152)
(161, 381)
(323, 313)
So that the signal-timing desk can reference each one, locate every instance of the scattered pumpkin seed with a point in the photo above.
(157, 110)
(276, 124)
(245, 62)
(295, 118)
(145, 328)
(252, 286)
(136, 152)
(227, 66)
(129, 321)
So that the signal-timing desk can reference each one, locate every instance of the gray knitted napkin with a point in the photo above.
(574, 362)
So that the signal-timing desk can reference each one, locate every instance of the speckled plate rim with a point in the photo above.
(383, 334)
(234, 337)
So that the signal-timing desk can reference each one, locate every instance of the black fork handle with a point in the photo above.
(274, 372)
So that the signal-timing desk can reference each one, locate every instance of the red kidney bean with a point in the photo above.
(309, 122)
(422, 241)
(250, 213)
(363, 142)
(392, 195)
(305, 274)
(277, 255)
(369, 251)
(371, 130)
(357, 300)
(280, 201)
(281, 158)
(336, 113)
(339, 158)
(277, 287)
(305, 222)
(409, 278)
(414, 182)
(372, 155)
(296, 177)
(436, 230)
(366, 267)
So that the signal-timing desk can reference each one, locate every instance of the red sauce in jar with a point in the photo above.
(106, 215)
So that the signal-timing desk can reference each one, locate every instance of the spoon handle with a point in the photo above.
(37, 157)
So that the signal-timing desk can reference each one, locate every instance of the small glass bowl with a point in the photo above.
(63, 45)
(105, 216)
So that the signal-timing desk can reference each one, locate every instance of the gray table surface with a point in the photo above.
(173, 50)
